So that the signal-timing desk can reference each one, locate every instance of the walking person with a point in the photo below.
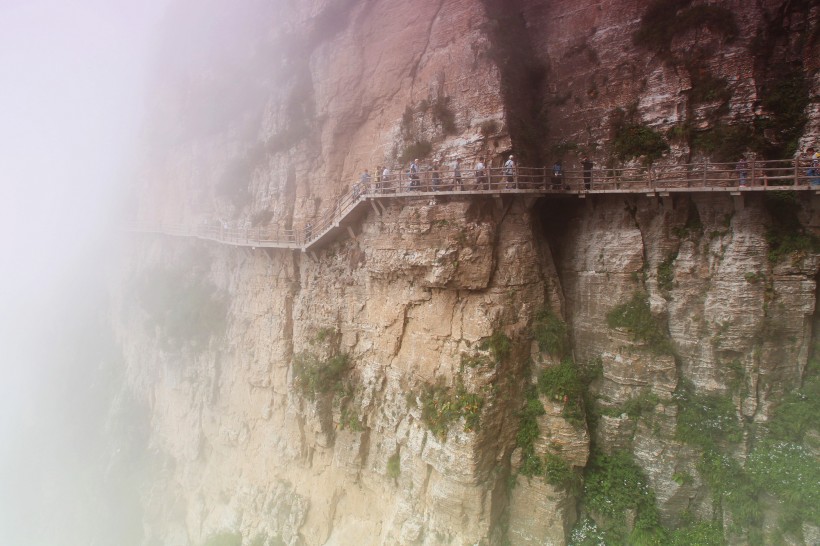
(742, 168)
(413, 171)
(586, 164)
(361, 187)
(386, 177)
(457, 175)
(480, 173)
(509, 172)
(813, 172)
(557, 178)
(436, 176)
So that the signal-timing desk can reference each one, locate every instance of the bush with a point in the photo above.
(417, 150)
(316, 376)
(706, 420)
(489, 128)
(614, 484)
(551, 333)
(664, 19)
(666, 273)
(797, 412)
(725, 143)
(444, 115)
(528, 432)
(498, 344)
(560, 381)
(632, 140)
(785, 235)
(791, 473)
(563, 383)
(558, 472)
(441, 406)
(698, 534)
(636, 317)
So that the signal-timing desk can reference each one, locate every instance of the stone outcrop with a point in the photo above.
(373, 392)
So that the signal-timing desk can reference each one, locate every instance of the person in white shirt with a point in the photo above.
(509, 172)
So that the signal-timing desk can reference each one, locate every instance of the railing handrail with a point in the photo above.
(700, 176)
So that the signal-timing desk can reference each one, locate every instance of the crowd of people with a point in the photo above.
(435, 177)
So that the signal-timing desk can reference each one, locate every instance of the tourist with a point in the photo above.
(813, 172)
(457, 175)
(557, 175)
(480, 174)
(742, 168)
(413, 171)
(509, 172)
(586, 164)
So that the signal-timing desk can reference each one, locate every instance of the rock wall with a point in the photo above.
(376, 392)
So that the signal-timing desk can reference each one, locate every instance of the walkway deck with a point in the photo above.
(348, 211)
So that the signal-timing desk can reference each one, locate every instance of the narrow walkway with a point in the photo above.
(664, 181)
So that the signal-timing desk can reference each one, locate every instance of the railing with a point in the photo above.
(755, 175)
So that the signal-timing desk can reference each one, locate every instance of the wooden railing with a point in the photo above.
(687, 178)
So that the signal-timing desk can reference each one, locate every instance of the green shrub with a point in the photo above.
(558, 472)
(528, 432)
(706, 420)
(636, 406)
(693, 226)
(316, 376)
(785, 234)
(475, 360)
(665, 19)
(708, 88)
(562, 383)
(394, 466)
(666, 273)
(632, 140)
(797, 413)
(614, 484)
(725, 143)
(444, 115)
(349, 419)
(489, 128)
(551, 333)
(417, 150)
(636, 317)
(791, 473)
(442, 406)
(498, 344)
(698, 534)
(785, 96)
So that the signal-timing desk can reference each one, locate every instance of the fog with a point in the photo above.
(73, 77)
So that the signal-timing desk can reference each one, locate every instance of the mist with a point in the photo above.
(72, 92)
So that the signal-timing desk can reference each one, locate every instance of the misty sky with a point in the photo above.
(72, 83)
(73, 76)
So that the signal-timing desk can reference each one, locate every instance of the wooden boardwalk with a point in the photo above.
(369, 195)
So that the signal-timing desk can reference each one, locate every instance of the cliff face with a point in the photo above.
(469, 370)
